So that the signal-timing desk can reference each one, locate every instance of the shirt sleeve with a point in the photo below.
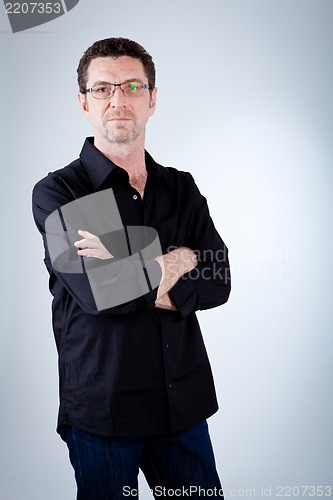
(92, 283)
(208, 285)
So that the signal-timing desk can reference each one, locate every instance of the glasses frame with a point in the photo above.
(114, 86)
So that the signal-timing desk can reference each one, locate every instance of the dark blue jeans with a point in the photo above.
(177, 465)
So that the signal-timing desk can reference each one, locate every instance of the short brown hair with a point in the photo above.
(115, 47)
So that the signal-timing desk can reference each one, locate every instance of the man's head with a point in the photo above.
(117, 91)
(115, 47)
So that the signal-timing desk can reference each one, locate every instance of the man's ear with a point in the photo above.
(152, 103)
(83, 101)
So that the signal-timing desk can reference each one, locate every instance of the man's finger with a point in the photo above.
(86, 234)
(93, 243)
(89, 252)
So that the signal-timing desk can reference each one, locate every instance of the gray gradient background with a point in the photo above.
(245, 104)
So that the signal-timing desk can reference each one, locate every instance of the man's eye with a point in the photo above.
(102, 90)
(133, 87)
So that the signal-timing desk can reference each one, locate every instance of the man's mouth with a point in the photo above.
(119, 118)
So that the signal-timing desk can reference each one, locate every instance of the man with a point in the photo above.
(136, 386)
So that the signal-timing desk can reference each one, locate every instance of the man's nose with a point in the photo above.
(118, 98)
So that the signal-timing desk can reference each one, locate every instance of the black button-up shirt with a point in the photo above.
(134, 369)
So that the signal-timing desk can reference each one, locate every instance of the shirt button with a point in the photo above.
(167, 346)
(169, 385)
(135, 197)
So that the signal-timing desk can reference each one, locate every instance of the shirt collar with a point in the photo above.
(157, 171)
(99, 166)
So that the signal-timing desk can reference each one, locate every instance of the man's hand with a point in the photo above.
(165, 302)
(174, 265)
(91, 246)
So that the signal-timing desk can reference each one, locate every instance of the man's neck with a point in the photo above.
(130, 157)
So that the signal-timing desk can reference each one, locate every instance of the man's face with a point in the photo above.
(119, 119)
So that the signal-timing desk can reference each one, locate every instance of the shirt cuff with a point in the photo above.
(185, 296)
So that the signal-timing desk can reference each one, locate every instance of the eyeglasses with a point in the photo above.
(107, 90)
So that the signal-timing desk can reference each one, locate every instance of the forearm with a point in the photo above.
(174, 265)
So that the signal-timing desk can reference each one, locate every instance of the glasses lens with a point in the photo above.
(133, 89)
(102, 91)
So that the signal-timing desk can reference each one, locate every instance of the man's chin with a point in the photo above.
(120, 136)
